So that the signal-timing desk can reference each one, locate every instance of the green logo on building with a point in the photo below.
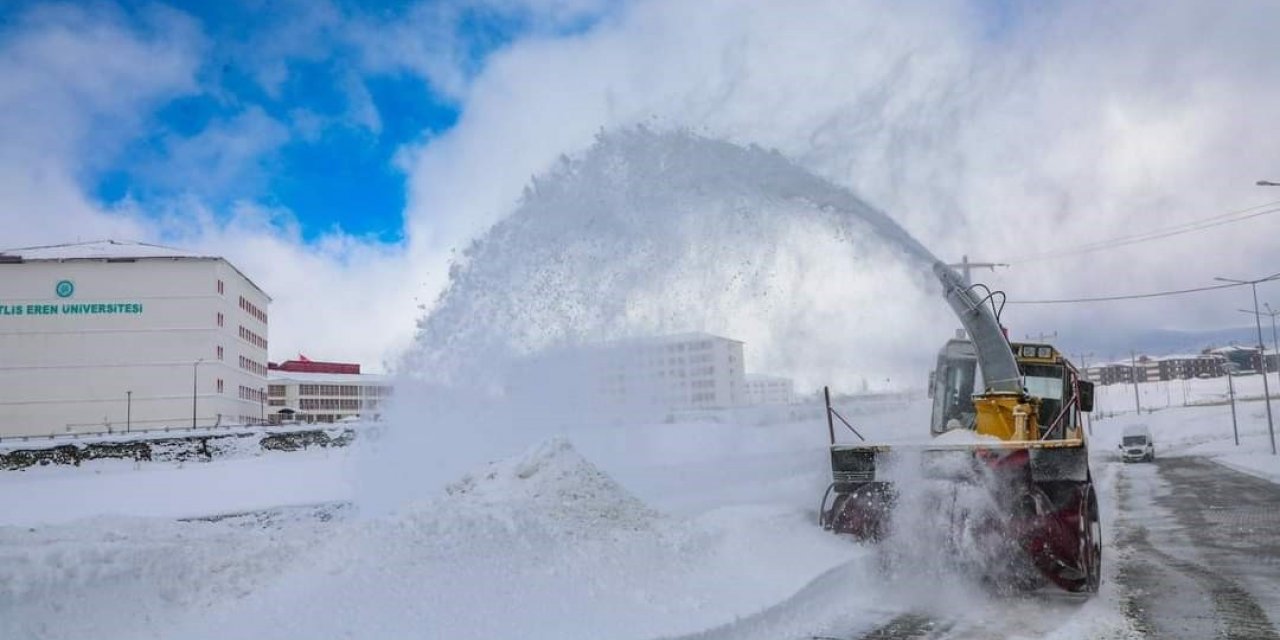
(65, 288)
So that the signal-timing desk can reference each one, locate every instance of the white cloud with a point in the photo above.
(77, 81)
(1078, 122)
(80, 83)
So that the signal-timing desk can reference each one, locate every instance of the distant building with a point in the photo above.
(681, 371)
(1148, 369)
(633, 376)
(762, 389)
(311, 391)
(1197, 366)
(111, 336)
(1117, 373)
(1247, 359)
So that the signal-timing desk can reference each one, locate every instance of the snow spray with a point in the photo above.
(649, 233)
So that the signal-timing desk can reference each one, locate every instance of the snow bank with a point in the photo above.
(1262, 465)
(58, 494)
(544, 544)
(557, 482)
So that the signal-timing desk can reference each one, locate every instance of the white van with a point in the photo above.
(1136, 444)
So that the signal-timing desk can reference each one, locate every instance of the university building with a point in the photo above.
(310, 391)
(113, 336)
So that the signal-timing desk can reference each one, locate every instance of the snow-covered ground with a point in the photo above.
(621, 532)
(628, 532)
(57, 494)
(1197, 429)
(542, 545)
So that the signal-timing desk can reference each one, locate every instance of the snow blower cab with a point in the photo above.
(1006, 417)
(1054, 398)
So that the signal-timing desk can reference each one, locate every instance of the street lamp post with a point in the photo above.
(128, 411)
(1257, 318)
(194, 368)
(1275, 344)
(1231, 390)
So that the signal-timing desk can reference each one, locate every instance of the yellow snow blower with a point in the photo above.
(1023, 407)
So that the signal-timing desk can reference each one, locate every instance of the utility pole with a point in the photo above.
(965, 266)
(1084, 359)
(1257, 318)
(1275, 344)
(1231, 390)
(1133, 374)
(128, 411)
(1084, 371)
(194, 368)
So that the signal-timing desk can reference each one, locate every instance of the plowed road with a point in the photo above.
(1198, 553)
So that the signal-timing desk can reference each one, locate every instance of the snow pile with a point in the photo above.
(1263, 465)
(124, 577)
(543, 544)
(557, 482)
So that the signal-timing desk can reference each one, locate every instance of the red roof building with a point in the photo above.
(304, 365)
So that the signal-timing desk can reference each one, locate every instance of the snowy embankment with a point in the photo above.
(541, 545)
(58, 494)
(709, 530)
(1198, 430)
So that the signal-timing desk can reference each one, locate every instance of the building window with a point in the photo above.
(219, 352)
(219, 318)
(220, 288)
(219, 385)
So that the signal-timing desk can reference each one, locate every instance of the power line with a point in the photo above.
(1157, 234)
(1137, 296)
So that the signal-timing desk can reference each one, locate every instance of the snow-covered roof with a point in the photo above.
(1234, 348)
(101, 250)
(114, 250)
(1188, 356)
(1155, 360)
(278, 376)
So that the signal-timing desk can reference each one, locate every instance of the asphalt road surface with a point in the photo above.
(1198, 554)
(1200, 551)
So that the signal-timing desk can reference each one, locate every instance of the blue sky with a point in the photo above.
(293, 112)
(412, 128)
